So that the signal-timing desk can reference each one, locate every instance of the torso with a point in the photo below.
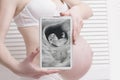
(31, 34)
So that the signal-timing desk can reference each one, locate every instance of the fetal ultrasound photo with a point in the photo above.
(56, 43)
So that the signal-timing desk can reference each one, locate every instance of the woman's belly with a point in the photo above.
(82, 53)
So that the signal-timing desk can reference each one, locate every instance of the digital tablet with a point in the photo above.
(56, 42)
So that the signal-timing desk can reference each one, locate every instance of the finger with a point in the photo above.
(38, 75)
(45, 72)
(31, 57)
(78, 27)
(80, 22)
(65, 13)
(75, 29)
(38, 49)
(50, 71)
(75, 36)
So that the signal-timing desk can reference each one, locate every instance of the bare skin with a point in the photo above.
(29, 64)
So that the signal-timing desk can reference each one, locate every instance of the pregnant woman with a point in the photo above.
(26, 14)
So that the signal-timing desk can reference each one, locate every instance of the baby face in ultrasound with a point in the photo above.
(55, 41)
(56, 35)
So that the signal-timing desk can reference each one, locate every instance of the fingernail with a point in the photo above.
(75, 41)
(36, 49)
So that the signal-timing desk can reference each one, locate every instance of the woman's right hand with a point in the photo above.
(27, 69)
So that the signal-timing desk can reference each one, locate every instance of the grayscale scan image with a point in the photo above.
(56, 43)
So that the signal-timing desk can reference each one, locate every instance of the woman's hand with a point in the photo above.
(28, 69)
(75, 13)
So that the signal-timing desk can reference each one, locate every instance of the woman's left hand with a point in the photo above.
(77, 19)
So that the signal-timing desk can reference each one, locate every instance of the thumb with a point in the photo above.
(67, 13)
(31, 57)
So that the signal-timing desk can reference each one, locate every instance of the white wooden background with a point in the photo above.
(95, 31)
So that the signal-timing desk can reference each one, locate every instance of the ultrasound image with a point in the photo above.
(56, 43)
